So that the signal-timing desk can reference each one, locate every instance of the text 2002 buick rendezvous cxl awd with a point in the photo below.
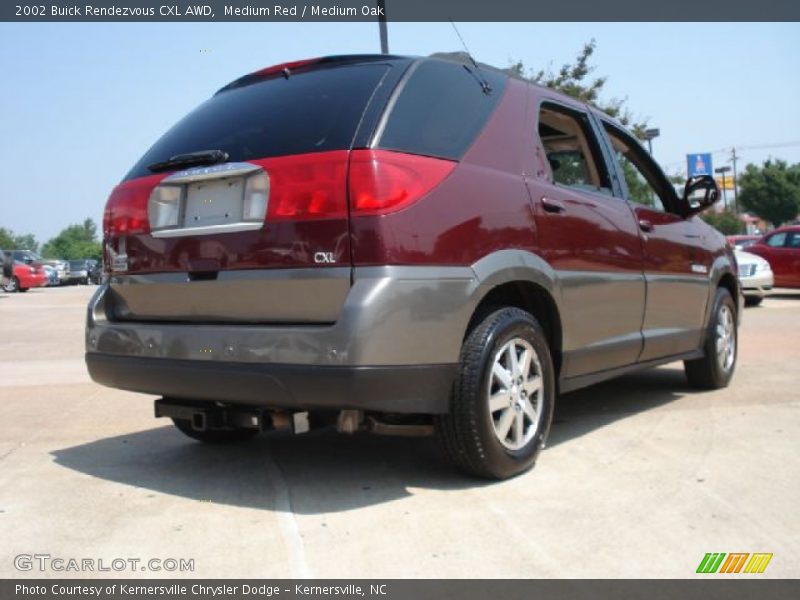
(402, 245)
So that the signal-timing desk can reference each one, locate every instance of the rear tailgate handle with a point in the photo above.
(552, 206)
(645, 225)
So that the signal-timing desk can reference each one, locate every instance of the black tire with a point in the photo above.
(467, 432)
(12, 286)
(714, 370)
(752, 300)
(215, 436)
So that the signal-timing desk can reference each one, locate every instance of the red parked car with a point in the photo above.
(25, 277)
(402, 245)
(781, 248)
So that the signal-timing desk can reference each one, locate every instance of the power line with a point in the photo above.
(728, 149)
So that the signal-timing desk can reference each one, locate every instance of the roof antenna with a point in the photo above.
(487, 89)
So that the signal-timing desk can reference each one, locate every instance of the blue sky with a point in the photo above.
(81, 102)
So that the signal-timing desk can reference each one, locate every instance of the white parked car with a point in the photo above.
(756, 277)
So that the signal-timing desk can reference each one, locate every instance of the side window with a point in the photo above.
(571, 149)
(794, 240)
(640, 178)
(440, 110)
(777, 240)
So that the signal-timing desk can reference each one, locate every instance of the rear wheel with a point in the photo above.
(214, 436)
(502, 402)
(716, 368)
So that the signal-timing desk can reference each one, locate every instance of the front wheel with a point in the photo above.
(502, 401)
(11, 286)
(214, 436)
(715, 369)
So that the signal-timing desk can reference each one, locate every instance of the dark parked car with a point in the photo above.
(96, 272)
(6, 268)
(402, 245)
(80, 271)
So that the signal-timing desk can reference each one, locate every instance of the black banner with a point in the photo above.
(398, 10)
(460, 589)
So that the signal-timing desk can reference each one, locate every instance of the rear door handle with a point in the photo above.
(552, 206)
(645, 225)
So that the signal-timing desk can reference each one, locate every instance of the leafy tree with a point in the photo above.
(726, 221)
(772, 191)
(9, 240)
(576, 80)
(26, 242)
(74, 242)
(6, 238)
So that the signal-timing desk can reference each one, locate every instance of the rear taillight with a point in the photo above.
(307, 186)
(126, 209)
(382, 181)
(289, 188)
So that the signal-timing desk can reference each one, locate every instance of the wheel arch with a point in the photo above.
(523, 280)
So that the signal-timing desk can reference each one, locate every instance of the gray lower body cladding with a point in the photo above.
(394, 347)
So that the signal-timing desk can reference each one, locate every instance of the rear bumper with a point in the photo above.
(395, 389)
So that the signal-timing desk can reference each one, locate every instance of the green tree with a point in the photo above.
(26, 242)
(74, 242)
(6, 238)
(576, 80)
(772, 191)
(11, 241)
(726, 221)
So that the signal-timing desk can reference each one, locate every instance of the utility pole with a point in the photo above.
(382, 27)
(735, 182)
(722, 171)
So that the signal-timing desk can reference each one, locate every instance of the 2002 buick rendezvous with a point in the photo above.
(402, 245)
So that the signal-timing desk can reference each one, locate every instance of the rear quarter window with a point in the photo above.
(440, 110)
(313, 110)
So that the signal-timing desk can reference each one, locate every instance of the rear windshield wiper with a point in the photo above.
(203, 157)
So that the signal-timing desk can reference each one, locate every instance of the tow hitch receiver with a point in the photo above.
(207, 417)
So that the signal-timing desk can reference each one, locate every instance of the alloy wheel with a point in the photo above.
(515, 393)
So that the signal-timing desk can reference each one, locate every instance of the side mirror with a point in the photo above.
(699, 193)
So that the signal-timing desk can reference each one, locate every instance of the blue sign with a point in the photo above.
(699, 164)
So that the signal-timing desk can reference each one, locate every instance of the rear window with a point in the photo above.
(441, 109)
(311, 111)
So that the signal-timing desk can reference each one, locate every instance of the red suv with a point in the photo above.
(402, 245)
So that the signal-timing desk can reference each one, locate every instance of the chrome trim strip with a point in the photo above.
(208, 229)
(213, 172)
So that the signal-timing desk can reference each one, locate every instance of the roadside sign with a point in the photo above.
(699, 164)
(726, 184)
